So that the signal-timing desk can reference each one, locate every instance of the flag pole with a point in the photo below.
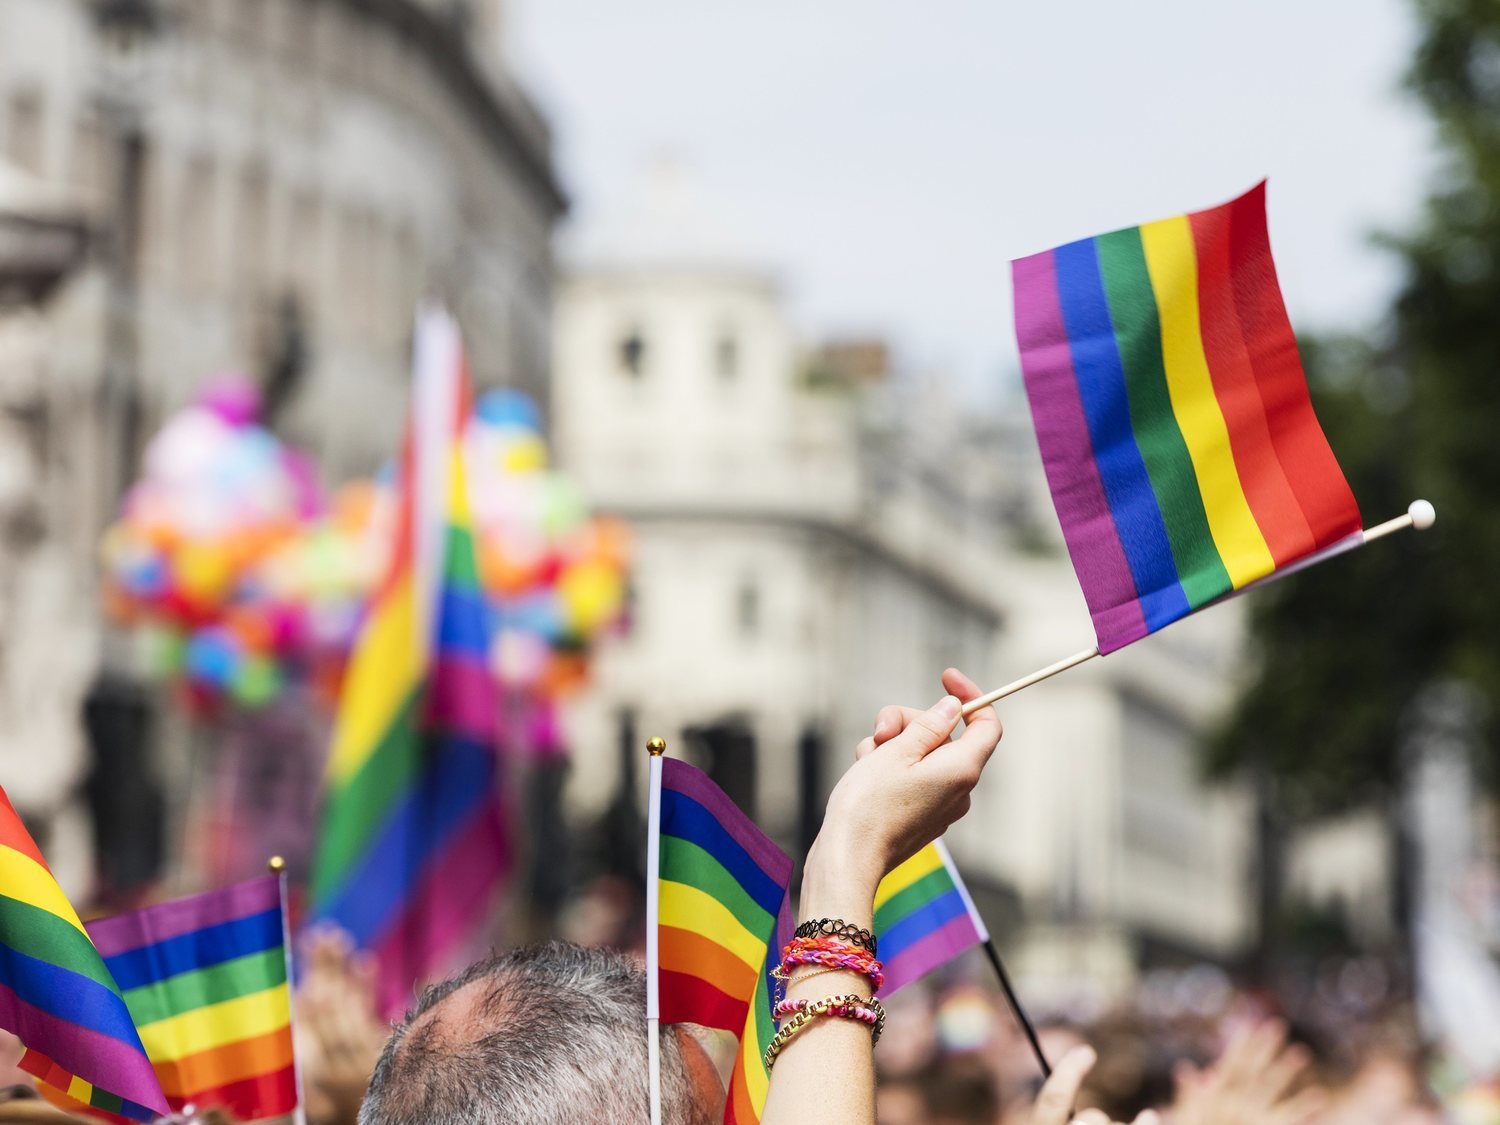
(1419, 515)
(656, 748)
(277, 867)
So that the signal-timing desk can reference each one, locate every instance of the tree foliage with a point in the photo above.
(1344, 652)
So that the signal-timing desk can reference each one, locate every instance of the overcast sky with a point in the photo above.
(891, 158)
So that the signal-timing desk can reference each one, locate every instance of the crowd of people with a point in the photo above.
(555, 1033)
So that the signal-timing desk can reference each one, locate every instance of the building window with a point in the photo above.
(23, 131)
(727, 356)
(747, 608)
(631, 353)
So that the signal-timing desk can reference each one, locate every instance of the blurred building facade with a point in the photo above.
(272, 184)
(814, 538)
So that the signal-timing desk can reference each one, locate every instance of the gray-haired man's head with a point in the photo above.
(547, 1035)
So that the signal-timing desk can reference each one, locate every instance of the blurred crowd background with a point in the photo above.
(727, 505)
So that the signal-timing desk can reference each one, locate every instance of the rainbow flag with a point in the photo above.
(412, 844)
(717, 918)
(1179, 439)
(924, 917)
(205, 979)
(57, 995)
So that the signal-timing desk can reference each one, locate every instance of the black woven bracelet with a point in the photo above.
(837, 928)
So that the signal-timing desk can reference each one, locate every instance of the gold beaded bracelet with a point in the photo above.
(828, 1006)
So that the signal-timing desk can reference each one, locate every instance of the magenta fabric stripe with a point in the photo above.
(184, 915)
(956, 936)
(106, 1062)
(1068, 455)
(461, 696)
(691, 782)
(455, 890)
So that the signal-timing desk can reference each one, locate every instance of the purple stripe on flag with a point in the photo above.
(461, 697)
(1068, 455)
(455, 890)
(112, 1065)
(184, 915)
(938, 948)
(694, 783)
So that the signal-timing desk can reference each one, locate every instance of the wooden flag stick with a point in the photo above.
(1420, 515)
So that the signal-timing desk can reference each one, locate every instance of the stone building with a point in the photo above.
(815, 537)
(272, 185)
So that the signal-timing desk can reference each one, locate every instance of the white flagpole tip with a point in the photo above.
(1423, 514)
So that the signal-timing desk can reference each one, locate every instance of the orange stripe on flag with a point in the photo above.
(221, 1066)
(694, 955)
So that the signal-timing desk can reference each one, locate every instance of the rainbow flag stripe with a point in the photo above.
(205, 979)
(721, 902)
(924, 917)
(57, 995)
(1175, 424)
(413, 845)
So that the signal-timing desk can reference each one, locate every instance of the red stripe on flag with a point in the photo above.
(265, 1095)
(690, 999)
(1310, 467)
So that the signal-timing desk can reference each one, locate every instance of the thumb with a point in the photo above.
(931, 728)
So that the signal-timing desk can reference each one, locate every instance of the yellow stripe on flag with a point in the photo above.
(229, 1021)
(905, 874)
(1172, 262)
(25, 880)
(386, 666)
(688, 908)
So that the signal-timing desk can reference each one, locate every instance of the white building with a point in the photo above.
(274, 183)
(811, 543)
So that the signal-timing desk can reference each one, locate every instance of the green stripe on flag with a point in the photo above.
(228, 980)
(354, 812)
(461, 566)
(1132, 308)
(683, 861)
(933, 885)
(42, 935)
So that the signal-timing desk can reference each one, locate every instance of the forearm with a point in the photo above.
(827, 1072)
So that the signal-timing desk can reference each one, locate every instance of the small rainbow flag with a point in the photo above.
(717, 918)
(924, 917)
(205, 979)
(412, 844)
(1179, 439)
(57, 995)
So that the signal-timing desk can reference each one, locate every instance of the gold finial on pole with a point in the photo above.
(275, 865)
(656, 747)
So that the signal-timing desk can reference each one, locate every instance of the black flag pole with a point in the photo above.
(1015, 1006)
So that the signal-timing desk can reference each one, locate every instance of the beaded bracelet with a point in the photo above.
(837, 928)
(865, 1009)
(839, 1007)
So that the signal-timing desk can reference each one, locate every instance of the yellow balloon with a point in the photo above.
(591, 593)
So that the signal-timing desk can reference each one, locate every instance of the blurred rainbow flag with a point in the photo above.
(924, 917)
(1179, 439)
(56, 994)
(205, 979)
(412, 845)
(717, 918)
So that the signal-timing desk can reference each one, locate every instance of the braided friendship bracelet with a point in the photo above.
(784, 977)
(831, 954)
(851, 1006)
(837, 928)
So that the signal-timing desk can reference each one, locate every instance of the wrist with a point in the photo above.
(839, 881)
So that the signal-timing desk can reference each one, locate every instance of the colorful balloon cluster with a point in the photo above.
(225, 559)
(555, 576)
(238, 576)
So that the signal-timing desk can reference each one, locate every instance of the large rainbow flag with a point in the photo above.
(924, 917)
(412, 844)
(718, 918)
(57, 995)
(205, 979)
(1179, 439)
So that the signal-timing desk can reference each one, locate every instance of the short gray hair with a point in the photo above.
(548, 1035)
